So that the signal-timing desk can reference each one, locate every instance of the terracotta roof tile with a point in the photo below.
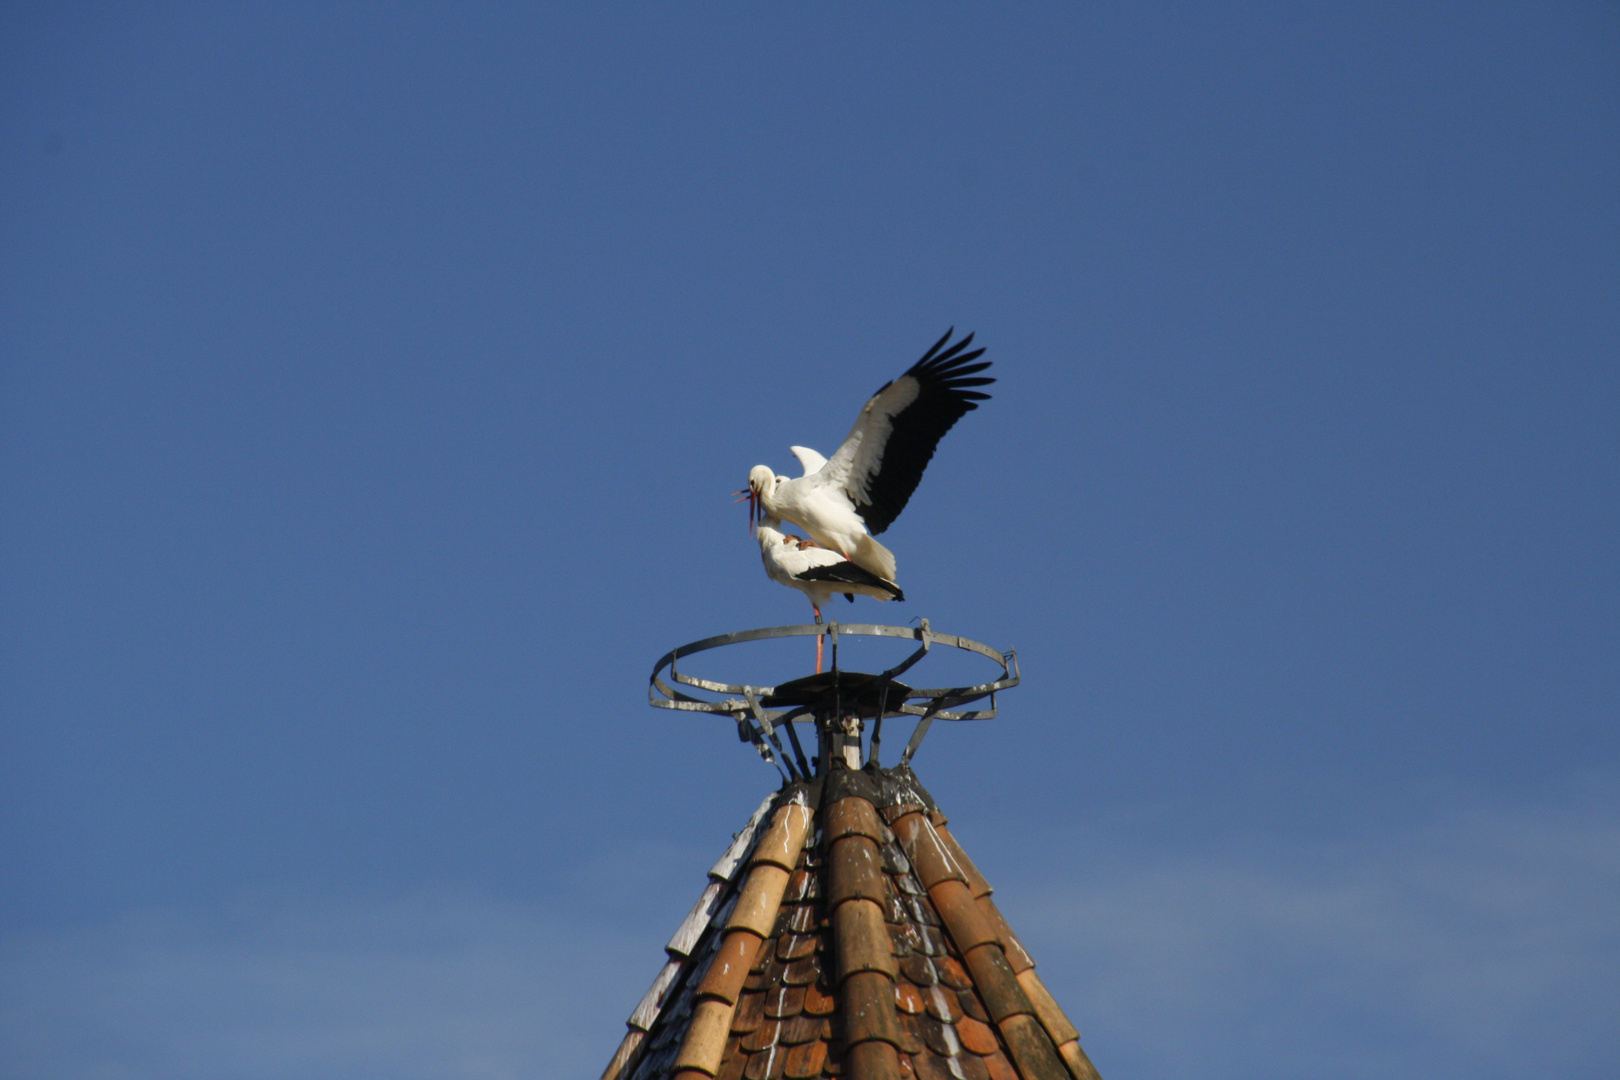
(802, 972)
(918, 969)
(803, 918)
(736, 1062)
(784, 1001)
(996, 985)
(628, 1048)
(928, 854)
(802, 1028)
(704, 1046)
(798, 886)
(768, 1033)
(922, 911)
(971, 1006)
(937, 1036)
(696, 921)
(874, 1061)
(973, 1067)
(647, 1011)
(852, 816)
(1080, 1066)
(1031, 1050)
(758, 902)
(975, 879)
(743, 842)
(781, 843)
(818, 1002)
(977, 1037)
(855, 870)
(999, 1067)
(863, 939)
(791, 946)
(805, 1060)
(941, 1004)
(767, 1064)
(951, 973)
(750, 1012)
(866, 1001)
(900, 810)
(911, 1032)
(967, 925)
(1046, 1010)
(1016, 956)
(851, 940)
(929, 1066)
(730, 965)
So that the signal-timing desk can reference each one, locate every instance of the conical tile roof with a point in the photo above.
(845, 933)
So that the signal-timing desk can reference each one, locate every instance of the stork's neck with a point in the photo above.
(768, 501)
(769, 530)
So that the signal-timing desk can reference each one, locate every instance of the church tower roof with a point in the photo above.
(845, 933)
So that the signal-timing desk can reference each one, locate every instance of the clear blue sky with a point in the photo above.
(374, 380)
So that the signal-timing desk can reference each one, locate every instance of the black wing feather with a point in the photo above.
(850, 574)
(943, 398)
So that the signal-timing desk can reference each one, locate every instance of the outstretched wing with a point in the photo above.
(882, 460)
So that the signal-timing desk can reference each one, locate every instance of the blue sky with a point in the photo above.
(374, 380)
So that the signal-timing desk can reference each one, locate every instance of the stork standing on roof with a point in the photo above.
(845, 500)
(818, 573)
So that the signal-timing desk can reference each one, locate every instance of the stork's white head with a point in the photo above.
(761, 486)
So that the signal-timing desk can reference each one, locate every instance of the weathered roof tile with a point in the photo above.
(871, 894)
(911, 1034)
(750, 1012)
(999, 1067)
(817, 1002)
(977, 1037)
(768, 1033)
(801, 1029)
(805, 1061)
(852, 816)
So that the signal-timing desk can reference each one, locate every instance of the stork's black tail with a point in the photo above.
(851, 574)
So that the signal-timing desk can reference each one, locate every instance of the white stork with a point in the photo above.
(844, 501)
(818, 573)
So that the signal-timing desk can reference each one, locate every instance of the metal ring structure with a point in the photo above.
(847, 693)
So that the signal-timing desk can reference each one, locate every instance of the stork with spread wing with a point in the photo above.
(845, 500)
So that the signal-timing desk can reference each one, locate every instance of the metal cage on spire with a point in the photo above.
(834, 696)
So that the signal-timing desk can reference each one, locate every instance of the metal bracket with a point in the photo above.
(770, 732)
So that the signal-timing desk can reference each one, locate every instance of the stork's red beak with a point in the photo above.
(753, 506)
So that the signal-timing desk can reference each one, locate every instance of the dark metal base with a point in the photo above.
(846, 693)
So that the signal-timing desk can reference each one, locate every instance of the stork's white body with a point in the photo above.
(844, 500)
(822, 509)
(789, 561)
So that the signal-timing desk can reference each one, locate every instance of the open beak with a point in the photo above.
(753, 506)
